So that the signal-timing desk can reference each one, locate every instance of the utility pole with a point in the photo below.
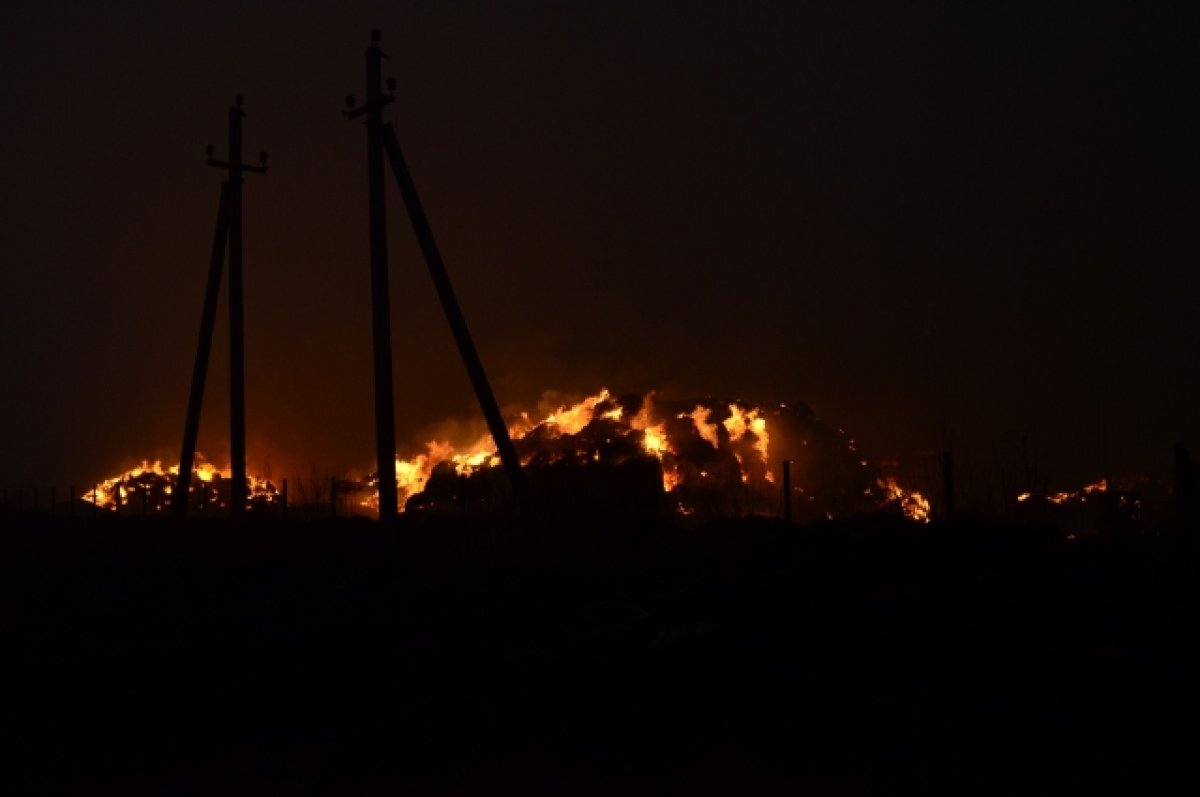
(382, 144)
(381, 323)
(232, 196)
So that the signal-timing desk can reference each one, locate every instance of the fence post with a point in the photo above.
(71, 504)
(948, 483)
(787, 490)
(1183, 495)
(333, 496)
(283, 497)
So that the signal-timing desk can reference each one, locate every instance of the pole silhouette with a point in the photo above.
(1185, 501)
(787, 490)
(382, 144)
(381, 322)
(458, 323)
(237, 349)
(208, 318)
(948, 484)
(227, 240)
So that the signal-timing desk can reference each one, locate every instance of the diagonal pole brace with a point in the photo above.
(208, 317)
(458, 324)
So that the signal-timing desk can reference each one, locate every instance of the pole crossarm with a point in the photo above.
(376, 99)
(355, 113)
(236, 165)
(243, 167)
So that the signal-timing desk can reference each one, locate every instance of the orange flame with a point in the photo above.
(1064, 497)
(742, 423)
(914, 505)
(746, 426)
(116, 491)
(741, 439)
(707, 431)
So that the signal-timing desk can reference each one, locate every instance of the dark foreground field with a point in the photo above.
(749, 657)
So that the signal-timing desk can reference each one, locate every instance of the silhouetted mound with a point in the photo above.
(484, 656)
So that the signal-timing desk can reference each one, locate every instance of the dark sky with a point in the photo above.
(960, 224)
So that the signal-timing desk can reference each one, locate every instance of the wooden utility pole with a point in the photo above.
(381, 318)
(381, 143)
(228, 236)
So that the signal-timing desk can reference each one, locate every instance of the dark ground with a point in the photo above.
(746, 657)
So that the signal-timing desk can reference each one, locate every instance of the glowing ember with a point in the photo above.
(1061, 498)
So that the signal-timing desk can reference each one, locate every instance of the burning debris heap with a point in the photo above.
(150, 487)
(1092, 509)
(701, 459)
(630, 455)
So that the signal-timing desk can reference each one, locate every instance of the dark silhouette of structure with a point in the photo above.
(948, 484)
(208, 317)
(227, 236)
(381, 323)
(787, 490)
(381, 141)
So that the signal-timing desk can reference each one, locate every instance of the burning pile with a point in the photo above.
(701, 459)
(1061, 498)
(152, 487)
(709, 458)
(1093, 508)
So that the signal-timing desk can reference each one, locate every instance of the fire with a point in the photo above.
(914, 505)
(569, 420)
(1102, 507)
(712, 460)
(707, 430)
(654, 435)
(413, 474)
(153, 481)
(1064, 497)
(654, 440)
(747, 423)
(605, 430)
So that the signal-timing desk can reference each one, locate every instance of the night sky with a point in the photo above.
(940, 225)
